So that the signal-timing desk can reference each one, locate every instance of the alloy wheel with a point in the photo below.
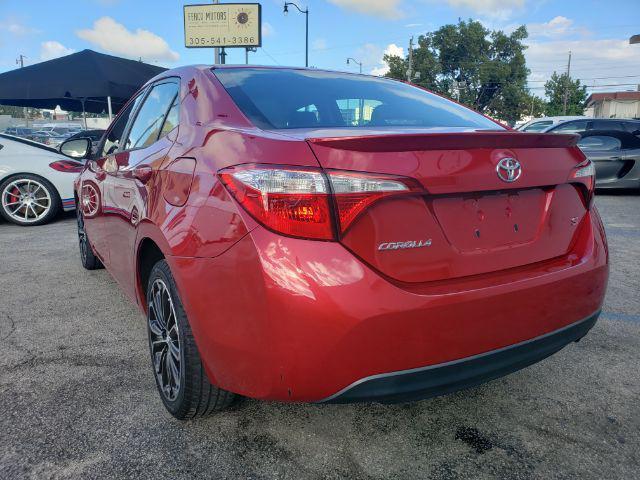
(89, 200)
(82, 236)
(26, 200)
(164, 339)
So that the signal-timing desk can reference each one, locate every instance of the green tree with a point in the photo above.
(555, 90)
(483, 69)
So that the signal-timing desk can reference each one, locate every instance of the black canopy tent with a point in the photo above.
(86, 81)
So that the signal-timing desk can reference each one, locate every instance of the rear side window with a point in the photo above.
(537, 126)
(571, 127)
(604, 125)
(291, 98)
(600, 142)
(149, 121)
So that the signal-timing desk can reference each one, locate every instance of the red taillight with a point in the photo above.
(67, 166)
(354, 192)
(585, 174)
(299, 201)
(292, 201)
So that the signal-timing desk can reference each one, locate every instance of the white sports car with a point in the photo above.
(36, 181)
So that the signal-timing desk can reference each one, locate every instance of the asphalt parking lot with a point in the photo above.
(78, 400)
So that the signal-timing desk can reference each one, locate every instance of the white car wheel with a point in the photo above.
(28, 200)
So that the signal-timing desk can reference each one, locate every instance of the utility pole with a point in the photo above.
(410, 69)
(566, 86)
(532, 101)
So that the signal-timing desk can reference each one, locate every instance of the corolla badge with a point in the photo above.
(509, 169)
(403, 245)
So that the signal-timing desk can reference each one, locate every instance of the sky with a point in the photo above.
(595, 31)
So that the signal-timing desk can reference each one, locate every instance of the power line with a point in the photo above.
(270, 56)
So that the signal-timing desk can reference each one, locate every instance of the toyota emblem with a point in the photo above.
(509, 169)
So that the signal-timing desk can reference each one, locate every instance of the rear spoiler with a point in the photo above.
(446, 141)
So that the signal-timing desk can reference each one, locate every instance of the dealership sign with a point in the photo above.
(222, 25)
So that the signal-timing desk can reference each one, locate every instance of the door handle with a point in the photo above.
(142, 173)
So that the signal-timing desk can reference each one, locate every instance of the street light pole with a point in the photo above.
(356, 62)
(20, 61)
(246, 54)
(306, 14)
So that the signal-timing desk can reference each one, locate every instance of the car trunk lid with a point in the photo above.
(468, 220)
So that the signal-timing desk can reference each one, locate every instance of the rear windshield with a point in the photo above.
(288, 98)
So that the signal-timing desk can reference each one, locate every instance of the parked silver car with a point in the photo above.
(544, 123)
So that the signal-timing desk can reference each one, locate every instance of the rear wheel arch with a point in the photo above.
(148, 254)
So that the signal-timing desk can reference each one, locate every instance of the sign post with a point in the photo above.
(221, 25)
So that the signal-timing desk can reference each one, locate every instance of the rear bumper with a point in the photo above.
(294, 320)
(434, 380)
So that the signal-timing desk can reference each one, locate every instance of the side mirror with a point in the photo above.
(77, 148)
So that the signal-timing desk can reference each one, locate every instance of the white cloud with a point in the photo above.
(52, 49)
(502, 9)
(267, 29)
(555, 28)
(380, 8)
(413, 25)
(113, 37)
(319, 44)
(590, 60)
(382, 67)
(17, 28)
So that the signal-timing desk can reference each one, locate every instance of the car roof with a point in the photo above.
(562, 117)
(202, 67)
(29, 143)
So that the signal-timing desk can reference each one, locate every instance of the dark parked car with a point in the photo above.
(616, 156)
(588, 124)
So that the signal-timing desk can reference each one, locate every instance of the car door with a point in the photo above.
(144, 148)
(95, 205)
(606, 153)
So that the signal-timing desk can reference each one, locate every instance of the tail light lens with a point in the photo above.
(67, 166)
(303, 202)
(354, 192)
(585, 174)
(290, 201)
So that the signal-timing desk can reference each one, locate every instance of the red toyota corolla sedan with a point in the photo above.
(305, 235)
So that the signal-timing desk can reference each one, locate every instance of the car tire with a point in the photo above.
(174, 353)
(88, 257)
(41, 200)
